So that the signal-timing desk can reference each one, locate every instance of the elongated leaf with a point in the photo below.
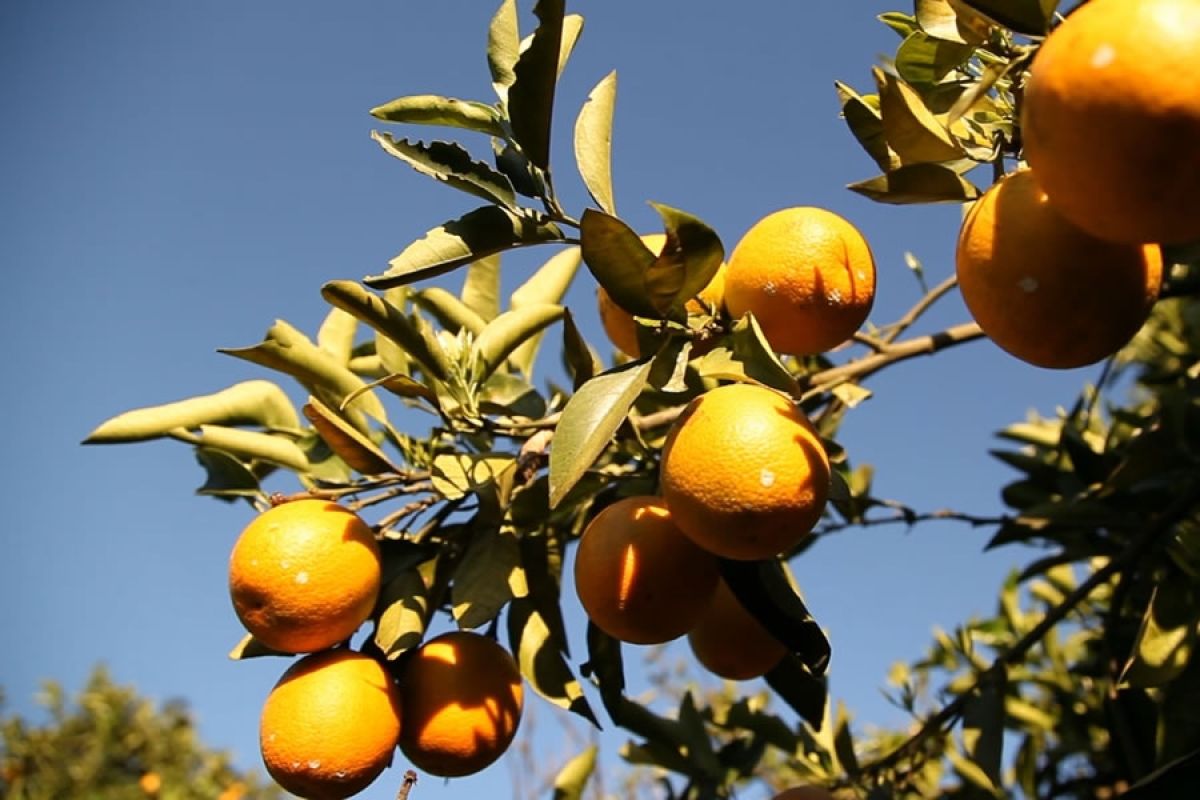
(1177, 778)
(923, 60)
(531, 95)
(690, 258)
(256, 402)
(403, 610)
(748, 357)
(548, 285)
(504, 43)
(455, 475)
(581, 361)
(588, 422)
(1167, 637)
(482, 232)
(431, 109)
(918, 183)
(573, 777)
(454, 314)
(593, 142)
(507, 332)
(289, 351)
(248, 445)
(336, 335)
(619, 260)
(866, 124)
(540, 657)
(572, 29)
(765, 590)
(796, 685)
(983, 728)
(249, 647)
(227, 478)
(489, 576)
(389, 321)
(359, 452)
(481, 288)
(945, 20)
(451, 164)
(1023, 16)
(912, 130)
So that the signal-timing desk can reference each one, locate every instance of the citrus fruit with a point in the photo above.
(620, 326)
(462, 699)
(638, 577)
(304, 575)
(744, 472)
(808, 277)
(1044, 290)
(1111, 119)
(330, 725)
(730, 642)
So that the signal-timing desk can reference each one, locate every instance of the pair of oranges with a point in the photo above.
(303, 577)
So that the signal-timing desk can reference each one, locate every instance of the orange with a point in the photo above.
(620, 326)
(1044, 290)
(304, 575)
(730, 642)
(808, 277)
(804, 793)
(150, 783)
(1111, 119)
(638, 577)
(330, 725)
(462, 699)
(744, 472)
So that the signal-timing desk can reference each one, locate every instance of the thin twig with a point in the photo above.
(410, 780)
(909, 517)
(919, 308)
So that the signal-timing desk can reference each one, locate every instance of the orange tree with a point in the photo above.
(1085, 672)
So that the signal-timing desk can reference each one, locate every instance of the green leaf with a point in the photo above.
(451, 164)
(247, 445)
(606, 668)
(479, 233)
(748, 357)
(972, 773)
(941, 19)
(507, 332)
(1176, 778)
(581, 361)
(571, 30)
(402, 611)
(588, 423)
(923, 60)
(488, 577)
(593, 142)
(452, 313)
(866, 124)
(1167, 637)
(249, 647)
(336, 335)
(918, 183)
(765, 589)
(256, 402)
(287, 350)
(548, 284)
(481, 288)
(911, 129)
(690, 258)
(455, 475)
(983, 727)
(898, 21)
(358, 451)
(531, 95)
(389, 321)
(540, 656)
(1030, 17)
(573, 777)
(431, 109)
(806, 693)
(619, 260)
(227, 477)
(504, 47)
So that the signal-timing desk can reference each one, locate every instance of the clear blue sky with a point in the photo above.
(178, 175)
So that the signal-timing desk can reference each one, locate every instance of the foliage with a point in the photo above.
(111, 744)
(1085, 667)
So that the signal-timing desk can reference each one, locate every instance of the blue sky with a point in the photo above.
(178, 175)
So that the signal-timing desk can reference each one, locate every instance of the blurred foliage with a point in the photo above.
(111, 744)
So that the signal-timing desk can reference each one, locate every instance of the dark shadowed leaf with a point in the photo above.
(540, 656)
(1023, 16)
(357, 450)
(588, 423)
(256, 402)
(531, 95)
(249, 647)
(983, 727)
(430, 109)
(1167, 637)
(689, 259)
(403, 611)
(911, 129)
(1179, 778)
(617, 258)
(455, 475)
(765, 589)
(451, 164)
(488, 577)
(941, 19)
(806, 693)
(747, 357)
(866, 124)
(918, 183)
(482, 232)
(581, 361)
(227, 477)
(593, 142)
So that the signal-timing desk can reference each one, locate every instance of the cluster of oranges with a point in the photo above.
(646, 570)
(304, 576)
(1060, 262)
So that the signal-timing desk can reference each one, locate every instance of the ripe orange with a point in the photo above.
(150, 783)
(1111, 119)
(330, 725)
(744, 472)
(620, 326)
(639, 578)
(730, 642)
(304, 575)
(462, 699)
(1044, 290)
(808, 277)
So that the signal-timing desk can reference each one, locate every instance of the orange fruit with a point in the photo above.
(620, 326)
(744, 472)
(330, 725)
(304, 575)
(1044, 290)
(462, 699)
(150, 783)
(808, 277)
(804, 793)
(730, 642)
(638, 577)
(1111, 119)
